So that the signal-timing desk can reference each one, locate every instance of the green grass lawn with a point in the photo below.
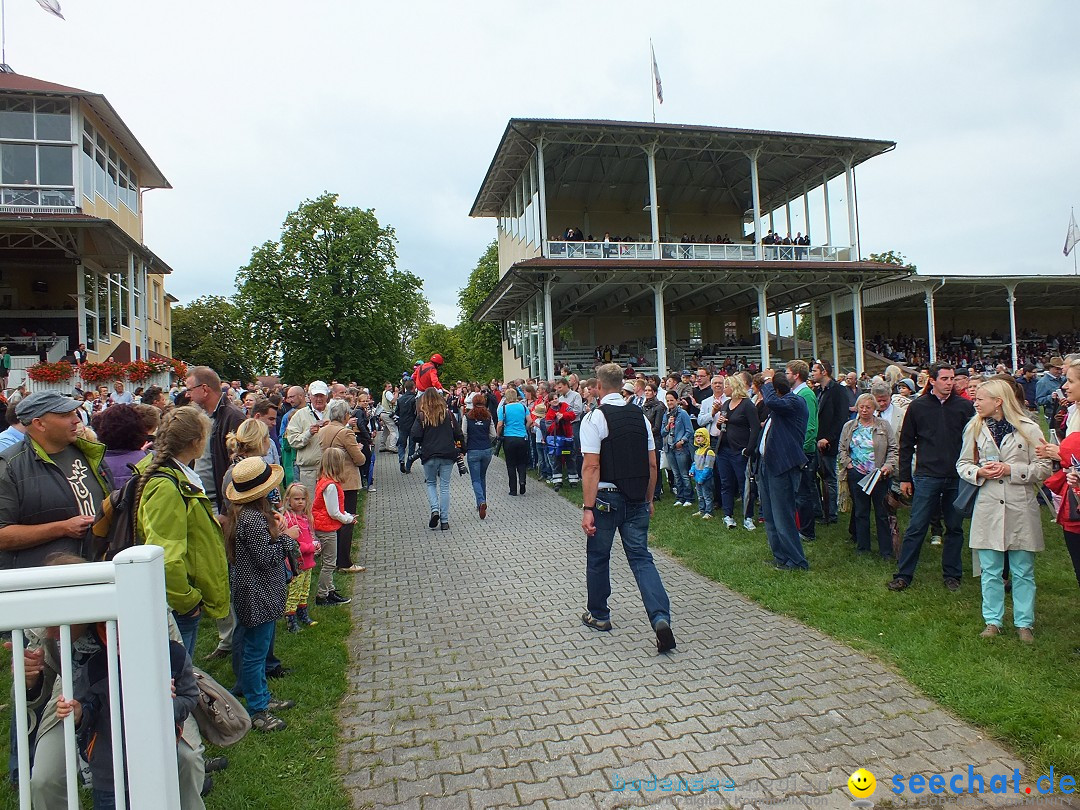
(294, 769)
(1029, 697)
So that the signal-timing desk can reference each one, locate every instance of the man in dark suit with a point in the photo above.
(832, 414)
(780, 459)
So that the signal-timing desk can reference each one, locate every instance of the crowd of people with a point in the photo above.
(249, 488)
(971, 350)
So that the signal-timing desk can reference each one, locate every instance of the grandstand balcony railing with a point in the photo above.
(683, 250)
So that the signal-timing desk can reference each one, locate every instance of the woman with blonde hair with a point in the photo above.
(251, 439)
(173, 511)
(998, 456)
(736, 430)
(440, 439)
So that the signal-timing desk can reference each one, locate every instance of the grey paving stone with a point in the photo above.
(473, 683)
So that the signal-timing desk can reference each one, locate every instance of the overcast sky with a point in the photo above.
(251, 107)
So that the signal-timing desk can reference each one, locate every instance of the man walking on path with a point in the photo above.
(386, 417)
(406, 415)
(619, 478)
(933, 427)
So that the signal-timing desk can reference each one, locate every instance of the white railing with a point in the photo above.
(128, 594)
(693, 250)
(163, 381)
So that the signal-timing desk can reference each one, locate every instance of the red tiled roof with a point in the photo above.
(28, 84)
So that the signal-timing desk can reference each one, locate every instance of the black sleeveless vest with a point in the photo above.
(624, 454)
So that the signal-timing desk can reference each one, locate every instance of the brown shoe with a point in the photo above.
(1025, 635)
(990, 631)
(482, 509)
(218, 652)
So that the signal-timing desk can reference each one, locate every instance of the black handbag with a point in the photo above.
(966, 493)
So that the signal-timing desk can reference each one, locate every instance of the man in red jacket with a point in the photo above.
(427, 376)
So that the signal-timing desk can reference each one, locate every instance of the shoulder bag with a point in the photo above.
(967, 492)
(221, 717)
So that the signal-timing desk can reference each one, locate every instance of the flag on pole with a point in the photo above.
(1073, 236)
(655, 73)
(51, 6)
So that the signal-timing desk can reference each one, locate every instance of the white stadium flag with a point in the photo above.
(1073, 236)
(51, 6)
(655, 73)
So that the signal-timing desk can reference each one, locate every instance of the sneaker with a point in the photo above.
(444, 526)
(707, 516)
(401, 466)
(990, 631)
(729, 522)
(589, 620)
(897, 584)
(372, 488)
(935, 540)
(276, 705)
(1025, 635)
(699, 513)
(214, 764)
(353, 569)
(278, 672)
(953, 584)
(264, 721)
(748, 524)
(665, 639)
(335, 598)
(433, 521)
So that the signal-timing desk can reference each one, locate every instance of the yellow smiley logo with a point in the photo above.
(862, 784)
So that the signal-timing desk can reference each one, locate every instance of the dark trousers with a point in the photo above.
(860, 514)
(929, 494)
(517, 460)
(778, 495)
(345, 533)
(731, 470)
(827, 470)
(808, 500)
(1072, 543)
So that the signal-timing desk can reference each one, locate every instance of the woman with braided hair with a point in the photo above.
(174, 512)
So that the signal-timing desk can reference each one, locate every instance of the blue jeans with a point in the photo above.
(272, 661)
(256, 644)
(777, 494)
(1022, 575)
(632, 521)
(679, 463)
(929, 494)
(437, 472)
(405, 446)
(705, 496)
(478, 467)
(189, 630)
(808, 501)
(543, 460)
(731, 470)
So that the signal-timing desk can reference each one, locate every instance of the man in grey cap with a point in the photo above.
(303, 433)
(51, 483)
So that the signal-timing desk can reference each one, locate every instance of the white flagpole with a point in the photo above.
(652, 80)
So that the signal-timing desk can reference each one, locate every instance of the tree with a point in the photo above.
(434, 338)
(209, 332)
(327, 297)
(892, 257)
(482, 341)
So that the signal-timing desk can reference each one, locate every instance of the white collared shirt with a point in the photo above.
(594, 429)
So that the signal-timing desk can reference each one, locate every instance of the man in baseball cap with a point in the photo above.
(303, 433)
(51, 483)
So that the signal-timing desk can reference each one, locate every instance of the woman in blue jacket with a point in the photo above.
(677, 433)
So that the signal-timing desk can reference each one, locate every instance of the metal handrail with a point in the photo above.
(694, 250)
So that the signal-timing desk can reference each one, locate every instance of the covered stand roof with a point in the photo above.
(625, 286)
(150, 176)
(1033, 293)
(699, 168)
(61, 239)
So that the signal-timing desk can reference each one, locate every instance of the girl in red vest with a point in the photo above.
(328, 515)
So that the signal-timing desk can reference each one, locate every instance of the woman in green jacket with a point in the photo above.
(175, 513)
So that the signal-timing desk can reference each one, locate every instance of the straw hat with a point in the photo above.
(252, 479)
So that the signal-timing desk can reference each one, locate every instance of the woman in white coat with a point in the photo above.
(998, 456)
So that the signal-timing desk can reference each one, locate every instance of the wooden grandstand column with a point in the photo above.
(763, 325)
(835, 336)
(1012, 323)
(756, 193)
(549, 338)
(661, 336)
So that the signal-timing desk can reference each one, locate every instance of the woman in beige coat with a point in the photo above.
(338, 434)
(867, 443)
(1006, 518)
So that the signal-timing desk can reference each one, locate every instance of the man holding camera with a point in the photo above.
(303, 433)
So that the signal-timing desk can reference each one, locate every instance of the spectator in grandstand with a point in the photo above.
(736, 429)
(779, 459)
(832, 414)
(676, 433)
(934, 426)
(998, 456)
(868, 443)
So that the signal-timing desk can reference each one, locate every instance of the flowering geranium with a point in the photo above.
(139, 370)
(180, 369)
(160, 365)
(103, 372)
(51, 372)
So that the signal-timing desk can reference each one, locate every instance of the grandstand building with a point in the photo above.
(73, 265)
(653, 238)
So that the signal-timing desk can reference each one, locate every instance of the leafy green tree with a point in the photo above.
(210, 332)
(892, 257)
(327, 297)
(434, 338)
(482, 341)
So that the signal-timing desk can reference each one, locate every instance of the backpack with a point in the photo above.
(113, 528)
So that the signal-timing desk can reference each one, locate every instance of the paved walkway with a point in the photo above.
(474, 684)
